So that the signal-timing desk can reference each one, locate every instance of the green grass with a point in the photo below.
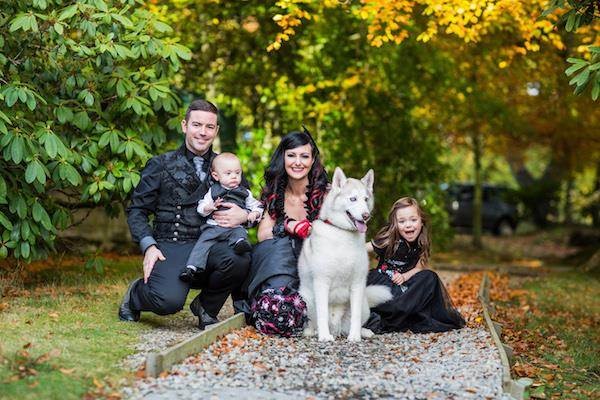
(563, 329)
(73, 311)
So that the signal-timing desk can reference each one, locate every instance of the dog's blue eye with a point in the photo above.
(352, 198)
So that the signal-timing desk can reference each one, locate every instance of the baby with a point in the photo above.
(227, 172)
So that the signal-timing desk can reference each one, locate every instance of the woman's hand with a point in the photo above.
(151, 256)
(299, 229)
(265, 227)
(398, 278)
(233, 216)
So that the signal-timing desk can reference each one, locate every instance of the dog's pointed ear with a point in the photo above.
(339, 178)
(368, 180)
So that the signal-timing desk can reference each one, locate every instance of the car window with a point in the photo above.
(466, 194)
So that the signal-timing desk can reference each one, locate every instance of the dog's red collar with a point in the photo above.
(328, 222)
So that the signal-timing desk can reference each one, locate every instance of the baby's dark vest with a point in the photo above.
(237, 196)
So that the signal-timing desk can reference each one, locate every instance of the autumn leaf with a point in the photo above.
(97, 383)
(67, 371)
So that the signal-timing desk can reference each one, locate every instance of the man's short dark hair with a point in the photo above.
(201, 105)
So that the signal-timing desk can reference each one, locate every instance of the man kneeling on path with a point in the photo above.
(170, 187)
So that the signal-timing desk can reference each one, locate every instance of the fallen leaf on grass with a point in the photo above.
(97, 383)
(46, 356)
(550, 366)
(548, 377)
(67, 371)
(525, 370)
(33, 384)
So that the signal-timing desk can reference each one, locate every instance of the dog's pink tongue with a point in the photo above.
(361, 226)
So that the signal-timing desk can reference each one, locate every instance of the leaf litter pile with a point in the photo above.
(538, 336)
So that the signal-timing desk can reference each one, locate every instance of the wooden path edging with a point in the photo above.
(516, 388)
(162, 361)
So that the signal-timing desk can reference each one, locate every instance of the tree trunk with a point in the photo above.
(228, 132)
(595, 208)
(568, 206)
(477, 195)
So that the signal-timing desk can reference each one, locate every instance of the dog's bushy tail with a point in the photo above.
(377, 294)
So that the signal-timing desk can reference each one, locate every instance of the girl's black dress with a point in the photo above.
(420, 304)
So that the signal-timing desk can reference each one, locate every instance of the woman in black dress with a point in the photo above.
(295, 183)
(420, 302)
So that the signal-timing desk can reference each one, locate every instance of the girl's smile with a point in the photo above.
(409, 223)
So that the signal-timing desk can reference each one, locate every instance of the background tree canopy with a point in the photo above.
(420, 91)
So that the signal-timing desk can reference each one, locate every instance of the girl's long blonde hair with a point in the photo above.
(389, 236)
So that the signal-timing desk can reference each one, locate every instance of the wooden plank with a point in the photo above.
(162, 361)
(509, 386)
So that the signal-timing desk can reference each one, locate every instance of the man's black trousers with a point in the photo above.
(165, 293)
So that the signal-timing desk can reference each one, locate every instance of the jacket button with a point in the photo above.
(179, 207)
(178, 216)
(176, 223)
(174, 239)
(176, 233)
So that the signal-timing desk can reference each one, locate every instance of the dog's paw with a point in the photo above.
(353, 337)
(326, 338)
(309, 332)
(366, 333)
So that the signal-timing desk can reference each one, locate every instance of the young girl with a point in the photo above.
(420, 301)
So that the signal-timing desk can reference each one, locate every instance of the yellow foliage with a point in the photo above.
(351, 81)
(392, 21)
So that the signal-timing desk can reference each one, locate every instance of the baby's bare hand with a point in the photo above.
(218, 202)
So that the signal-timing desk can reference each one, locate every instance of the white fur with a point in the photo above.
(333, 264)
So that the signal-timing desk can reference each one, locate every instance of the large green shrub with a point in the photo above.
(85, 87)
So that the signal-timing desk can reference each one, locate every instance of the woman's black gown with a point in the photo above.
(420, 304)
(274, 305)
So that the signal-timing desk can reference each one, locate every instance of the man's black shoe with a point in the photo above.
(242, 246)
(125, 311)
(204, 319)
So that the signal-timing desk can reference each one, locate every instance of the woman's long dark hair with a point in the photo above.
(276, 179)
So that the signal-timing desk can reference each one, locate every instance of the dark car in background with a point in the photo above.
(498, 212)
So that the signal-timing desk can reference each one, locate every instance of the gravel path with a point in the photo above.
(461, 364)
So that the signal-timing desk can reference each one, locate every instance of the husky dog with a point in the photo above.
(333, 264)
